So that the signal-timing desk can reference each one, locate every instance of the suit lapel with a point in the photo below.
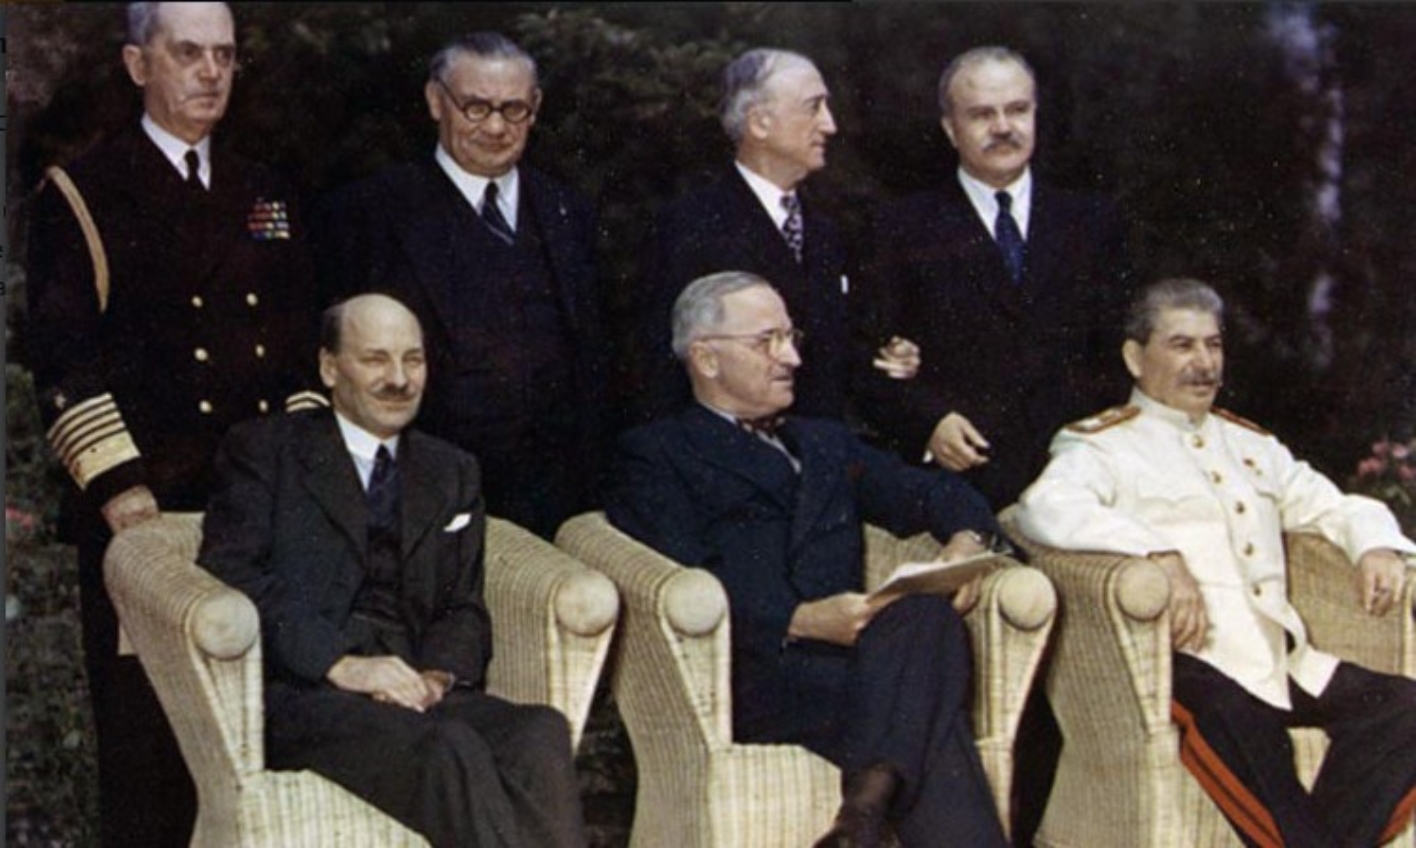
(989, 278)
(755, 227)
(426, 491)
(551, 216)
(722, 444)
(1044, 229)
(333, 482)
(819, 478)
(431, 217)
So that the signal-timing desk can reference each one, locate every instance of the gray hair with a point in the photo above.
(481, 45)
(972, 59)
(699, 307)
(745, 82)
(1173, 293)
(144, 20)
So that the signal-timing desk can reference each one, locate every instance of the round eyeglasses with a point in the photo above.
(477, 110)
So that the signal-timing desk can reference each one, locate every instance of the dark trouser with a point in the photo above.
(475, 771)
(905, 703)
(1238, 748)
(146, 796)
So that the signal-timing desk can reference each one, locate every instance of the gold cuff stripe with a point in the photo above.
(80, 417)
(305, 400)
(106, 454)
(91, 438)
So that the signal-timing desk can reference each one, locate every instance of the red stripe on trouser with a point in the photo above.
(1232, 797)
(1400, 817)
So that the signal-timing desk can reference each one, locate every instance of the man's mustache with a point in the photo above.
(1202, 378)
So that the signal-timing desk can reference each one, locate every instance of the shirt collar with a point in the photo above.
(360, 442)
(981, 195)
(175, 149)
(473, 186)
(768, 193)
(1169, 414)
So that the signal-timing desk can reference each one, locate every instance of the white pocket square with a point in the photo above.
(460, 520)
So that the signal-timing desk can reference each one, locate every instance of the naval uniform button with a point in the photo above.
(197, 302)
(201, 354)
(1258, 590)
(263, 406)
(251, 299)
(1240, 508)
(1197, 440)
(205, 407)
(260, 351)
(1248, 549)
(1216, 477)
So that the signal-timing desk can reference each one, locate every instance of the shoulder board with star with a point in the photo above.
(1240, 421)
(1103, 420)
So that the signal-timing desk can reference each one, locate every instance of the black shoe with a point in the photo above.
(861, 820)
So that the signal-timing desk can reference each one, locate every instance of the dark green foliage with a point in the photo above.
(1190, 114)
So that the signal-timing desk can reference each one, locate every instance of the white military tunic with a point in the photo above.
(1145, 479)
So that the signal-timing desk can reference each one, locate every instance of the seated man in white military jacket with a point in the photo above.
(1208, 496)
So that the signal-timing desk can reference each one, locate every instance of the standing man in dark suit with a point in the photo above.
(757, 218)
(1012, 288)
(497, 260)
(172, 306)
(773, 505)
(360, 542)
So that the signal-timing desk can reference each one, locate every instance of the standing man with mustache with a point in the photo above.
(168, 299)
(1012, 288)
(1208, 495)
(497, 259)
(757, 217)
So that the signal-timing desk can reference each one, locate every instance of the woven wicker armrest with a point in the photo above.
(552, 622)
(1323, 586)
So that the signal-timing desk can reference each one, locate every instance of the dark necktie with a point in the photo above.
(382, 495)
(1010, 239)
(492, 216)
(791, 227)
(194, 169)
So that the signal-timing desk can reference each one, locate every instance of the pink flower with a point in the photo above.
(1406, 473)
(1371, 467)
(1400, 451)
(1381, 447)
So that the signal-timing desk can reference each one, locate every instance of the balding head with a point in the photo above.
(372, 361)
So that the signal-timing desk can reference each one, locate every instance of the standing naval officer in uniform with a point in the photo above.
(166, 283)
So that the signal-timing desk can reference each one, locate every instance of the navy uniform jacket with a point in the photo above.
(288, 526)
(1018, 361)
(402, 232)
(723, 227)
(208, 321)
(707, 494)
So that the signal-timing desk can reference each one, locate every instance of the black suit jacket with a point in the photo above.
(723, 227)
(398, 232)
(288, 526)
(209, 320)
(705, 493)
(1018, 360)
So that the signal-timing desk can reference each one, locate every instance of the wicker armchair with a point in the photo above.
(1120, 781)
(697, 787)
(198, 640)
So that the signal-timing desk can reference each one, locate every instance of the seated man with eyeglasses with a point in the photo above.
(773, 505)
(497, 260)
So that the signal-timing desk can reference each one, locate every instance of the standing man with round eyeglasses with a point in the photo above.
(174, 305)
(497, 260)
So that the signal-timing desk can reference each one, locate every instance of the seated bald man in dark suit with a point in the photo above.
(360, 542)
(776, 515)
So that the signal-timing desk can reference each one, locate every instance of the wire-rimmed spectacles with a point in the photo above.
(477, 110)
(771, 342)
